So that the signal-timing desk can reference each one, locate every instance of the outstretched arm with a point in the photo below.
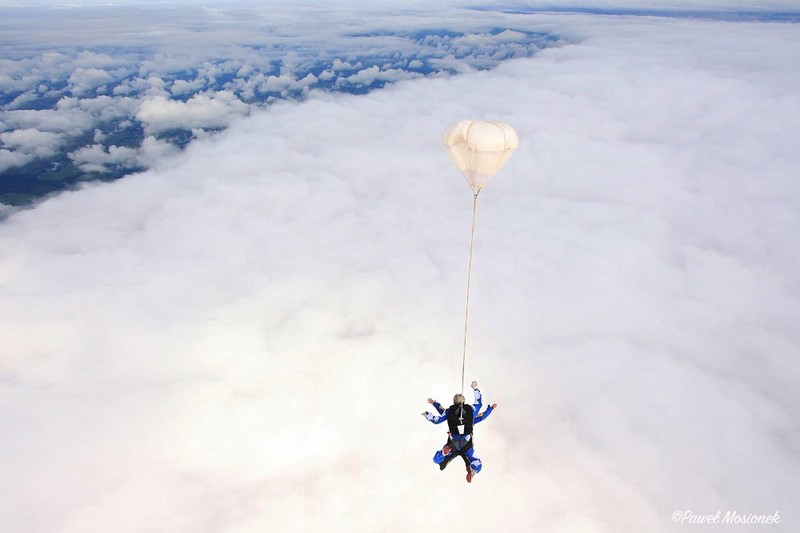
(437, 405)
(482, 416)
(432, 417)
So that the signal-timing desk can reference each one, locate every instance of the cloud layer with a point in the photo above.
(172, 72)
(241, 338)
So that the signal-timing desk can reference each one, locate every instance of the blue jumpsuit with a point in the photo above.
(474, 462)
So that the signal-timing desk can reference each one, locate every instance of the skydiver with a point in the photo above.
(459, 442)
(438, 419)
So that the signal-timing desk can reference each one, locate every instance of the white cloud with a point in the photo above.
(374, 73)
(29, 140)
(125, 53)
(93, 64)
(35, 134)
(286, 82)
(84, 80)
(22, 146)
(101, 159)
(13, 158)
(486, 39)
(339, 65)
(153, 151)
(213, 110)
(69, 121)
(180, 87)
(96, 158)
(215, 345)
(103, 107)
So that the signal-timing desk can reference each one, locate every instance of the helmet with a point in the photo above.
(458, 399)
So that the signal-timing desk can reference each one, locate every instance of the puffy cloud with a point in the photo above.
(213, 110)
(22, 146)
(31, 140)
(67, 120)
(156, 55)
(84, 80)
(286, 82)
(374, 73)
(101, 159)
(14, 158)
(154, 151)
(91, 64)
(339, 65)
(96, 158)
(105, 108)
(180, 87)
(35, 134)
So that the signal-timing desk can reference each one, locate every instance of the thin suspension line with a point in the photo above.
(469, 279)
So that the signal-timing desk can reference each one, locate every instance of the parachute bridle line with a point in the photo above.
(469, 280)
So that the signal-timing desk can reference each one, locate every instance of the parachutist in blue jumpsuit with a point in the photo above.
(460, 419)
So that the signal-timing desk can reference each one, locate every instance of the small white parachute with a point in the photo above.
(479, 149)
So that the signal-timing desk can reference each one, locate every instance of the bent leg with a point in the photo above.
(466, 459)
(473, 461)
(446, 461)
(441, 457)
